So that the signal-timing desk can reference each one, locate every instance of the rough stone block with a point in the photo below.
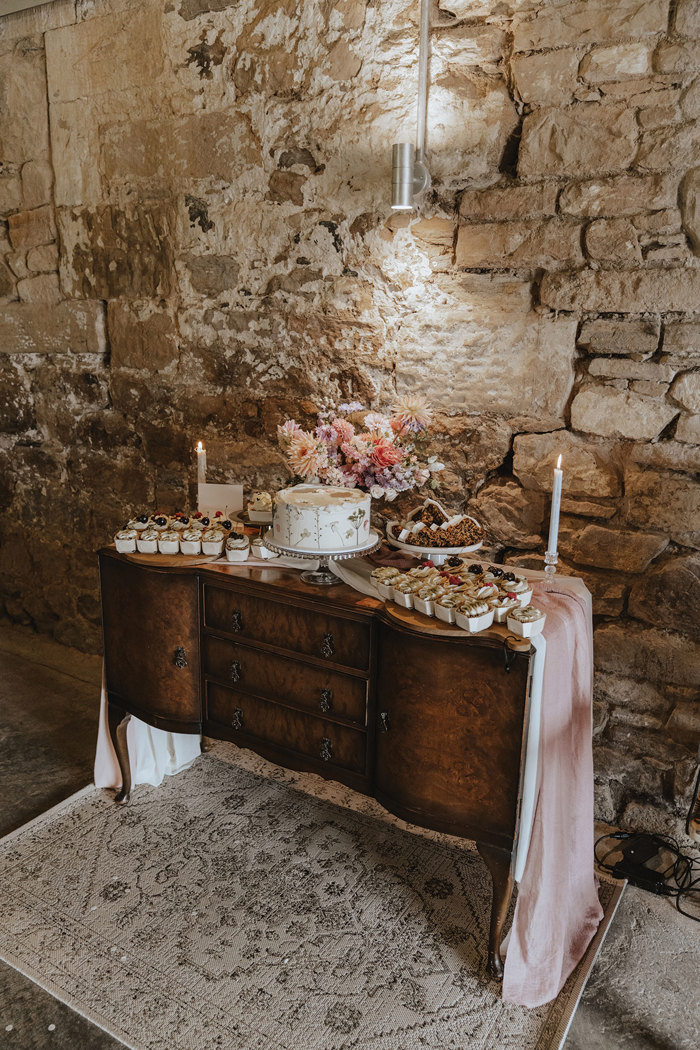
(669, 596)
(690, 207)
(467, 45)
(7, 283)
(550, 244)
(648, 387)
(668, 455)
(682, 338)
(586, 139)
(74, 136)
(625, 195)
(677, 56)
(37, 183)
(686, 391)
(70, 327)
(684, 724)
(622, 368)
(666, 502)
(29, 228)
(16, 406)
(619, 337)
(582, 508)
(10, 194)
(212, 274)
(111, 252)
(608, 548)
(286, 186)
(674, 146)
(686, 19)
(618, 413)
(613, 241)
(482, 339)
(688, 429)
(509, 514)
(589, 22)
(547, 79)
(616, 63)
(17, 262)
(631, 291)
(647, 653)
(143, 339)
(343, 63)
(109, 54)
(588, 469)
(24, 131)
(43, 259)
(41, 289)
(501, 203)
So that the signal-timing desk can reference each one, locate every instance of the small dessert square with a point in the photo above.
(125, 541)
(526, 622)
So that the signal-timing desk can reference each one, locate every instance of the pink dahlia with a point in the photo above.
(384, 454)
(307, 455)
(411, 413)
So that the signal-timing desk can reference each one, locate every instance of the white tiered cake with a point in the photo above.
(321, 518)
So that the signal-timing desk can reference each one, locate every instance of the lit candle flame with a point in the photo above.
(558, 461)
(200, 449)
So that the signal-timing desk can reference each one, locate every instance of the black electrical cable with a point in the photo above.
(680, 870)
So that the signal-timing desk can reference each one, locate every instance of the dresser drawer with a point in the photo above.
(316, 738)
(340, 641)
(319, 691)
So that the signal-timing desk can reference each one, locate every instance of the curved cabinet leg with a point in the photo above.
(499, 864)
(118, 721)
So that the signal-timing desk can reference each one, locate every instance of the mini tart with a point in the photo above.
(191, 541)
(125, 541)
(213, 541)
(502, 605)
(169, 541)
(526, 622)
(147, 541)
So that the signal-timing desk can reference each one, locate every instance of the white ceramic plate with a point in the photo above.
(437, 554)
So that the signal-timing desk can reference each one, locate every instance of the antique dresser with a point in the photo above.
(430, 721)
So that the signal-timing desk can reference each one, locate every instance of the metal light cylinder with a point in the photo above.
(402, 161)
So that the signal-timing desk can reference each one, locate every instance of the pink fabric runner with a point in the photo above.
(557, 910)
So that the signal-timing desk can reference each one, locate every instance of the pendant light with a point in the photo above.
(409, 174)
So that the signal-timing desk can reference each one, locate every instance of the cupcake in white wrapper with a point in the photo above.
(169, 542)
(191, 541)
(260, 507)
(381, 578)
(424, 600)
(237, 548)
(502, 605)
(520, 586)
(147, 541)
(526, 622)
(402, 591)
(445, 608)
(213, 541)
(473, 615)
(125, 541)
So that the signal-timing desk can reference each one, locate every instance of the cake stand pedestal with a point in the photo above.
(323, 576)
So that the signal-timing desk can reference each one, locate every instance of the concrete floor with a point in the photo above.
(642, 994)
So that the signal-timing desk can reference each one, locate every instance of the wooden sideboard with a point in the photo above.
(429, 720)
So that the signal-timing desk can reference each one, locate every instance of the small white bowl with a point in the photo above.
(474, 624)
(447, 615)
(526, 630)
(424, 605)
(402, 599)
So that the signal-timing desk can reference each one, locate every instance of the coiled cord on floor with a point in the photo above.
(681, 877)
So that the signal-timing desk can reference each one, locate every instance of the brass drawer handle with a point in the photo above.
(326, 751)
(235, 671)
(384, 723)
(236, 621)
(326, 701)
(328, 646)
(237, 720)
(180, 658)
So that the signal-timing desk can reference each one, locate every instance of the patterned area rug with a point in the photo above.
(227, 909)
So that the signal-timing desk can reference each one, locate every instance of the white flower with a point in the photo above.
(434, 468)
(391, 494)
(376, 491)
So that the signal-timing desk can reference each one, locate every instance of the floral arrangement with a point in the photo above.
(356, 448)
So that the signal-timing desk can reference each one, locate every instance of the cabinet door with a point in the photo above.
(449, 733)
(151, 643)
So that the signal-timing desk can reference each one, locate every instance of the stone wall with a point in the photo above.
(196, 241)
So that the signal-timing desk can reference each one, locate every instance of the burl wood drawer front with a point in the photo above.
(285, 728)
(331, 638)
(449, 732)
(286, 680)
(151, 635)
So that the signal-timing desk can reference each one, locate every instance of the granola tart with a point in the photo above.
(430, 525)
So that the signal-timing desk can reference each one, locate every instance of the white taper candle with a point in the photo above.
(201, 463)
(556, 504)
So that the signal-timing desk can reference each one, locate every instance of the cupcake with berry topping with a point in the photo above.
(168, 541)
(237, 547)
(147, 541)
(139, 523)
(424, 600)
(502, 604)
(199, 521)
(191, 541)
(159, 521)
(526, 622)
(517, 585)
(125, 541)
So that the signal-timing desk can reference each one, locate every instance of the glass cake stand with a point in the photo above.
(322, 576)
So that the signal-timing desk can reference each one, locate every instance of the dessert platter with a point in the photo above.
(470, 596)
(324, 522)
(431, 531)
